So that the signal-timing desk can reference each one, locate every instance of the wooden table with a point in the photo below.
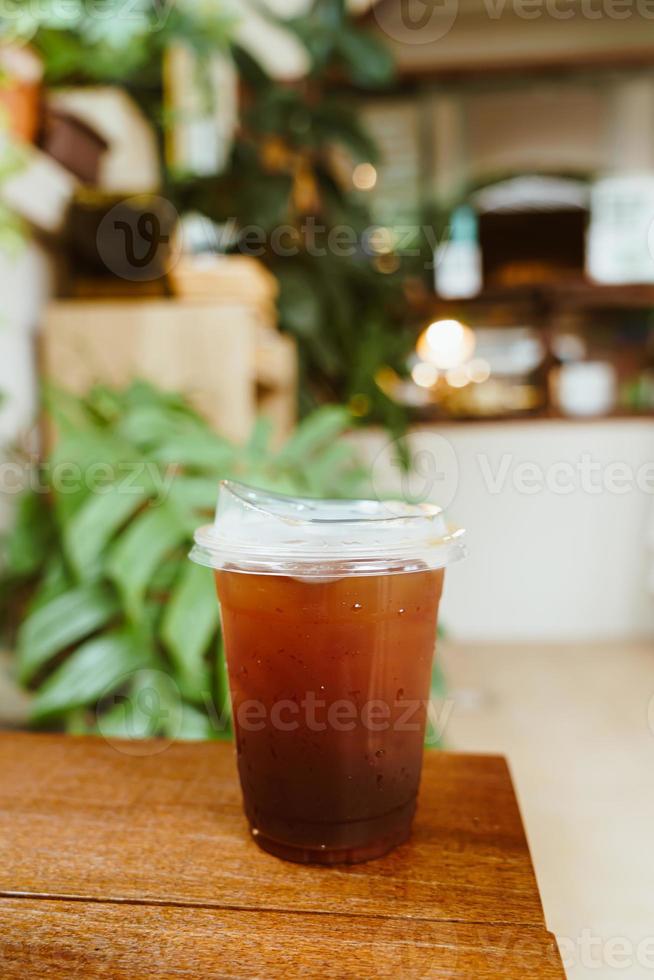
(123, 865)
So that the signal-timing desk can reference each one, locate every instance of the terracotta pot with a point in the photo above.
(20, 91)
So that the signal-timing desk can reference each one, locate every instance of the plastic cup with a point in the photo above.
(329, 613)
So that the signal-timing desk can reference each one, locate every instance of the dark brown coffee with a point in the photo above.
(330, 682)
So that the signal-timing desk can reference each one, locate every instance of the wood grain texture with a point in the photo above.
(79, 818)
(57, 939)
(130, 860)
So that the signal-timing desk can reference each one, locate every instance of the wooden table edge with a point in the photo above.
(513, 944)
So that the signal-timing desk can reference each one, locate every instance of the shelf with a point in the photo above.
(573, 295)
(536, 417)
(588, 295)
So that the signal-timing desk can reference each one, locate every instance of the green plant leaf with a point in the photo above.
(62, 622)
(314, 433)
(189, 625)
(55, 580)
(193, 725)
(149, 707)
(84, 462)
(344, 127)
(145, 425)
(164, 578)
(300, 308)
(76, 722)
(90, 673)
(30, 536)
(66, 410)
(203, 450)
(257, 444)
(95, 523)
(194, 493)
(333, 471)
(152, 419)
(139, 551)
(370, 64)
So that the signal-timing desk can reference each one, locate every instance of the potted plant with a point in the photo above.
(114, 630)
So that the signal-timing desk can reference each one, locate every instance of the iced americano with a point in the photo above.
(329, 613)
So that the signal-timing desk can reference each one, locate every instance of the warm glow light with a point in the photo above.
(388, 264)
(381, 240)
(446, 344)
(478, 370)
(424, 374)
(364, 176)
(457, 377)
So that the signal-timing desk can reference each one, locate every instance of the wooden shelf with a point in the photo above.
(584, 294)
(573, 295)
(423, 422)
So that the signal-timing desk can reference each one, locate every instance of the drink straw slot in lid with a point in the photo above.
(259, 531)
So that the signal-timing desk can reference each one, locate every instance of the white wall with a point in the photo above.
(544, 563)
(24, 285)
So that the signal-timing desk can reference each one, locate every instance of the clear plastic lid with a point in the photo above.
(267, 533)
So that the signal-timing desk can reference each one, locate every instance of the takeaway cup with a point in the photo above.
(329, 613)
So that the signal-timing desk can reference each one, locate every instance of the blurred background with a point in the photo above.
(344, 248)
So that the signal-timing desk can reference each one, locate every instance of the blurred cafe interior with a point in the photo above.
(439, 217)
